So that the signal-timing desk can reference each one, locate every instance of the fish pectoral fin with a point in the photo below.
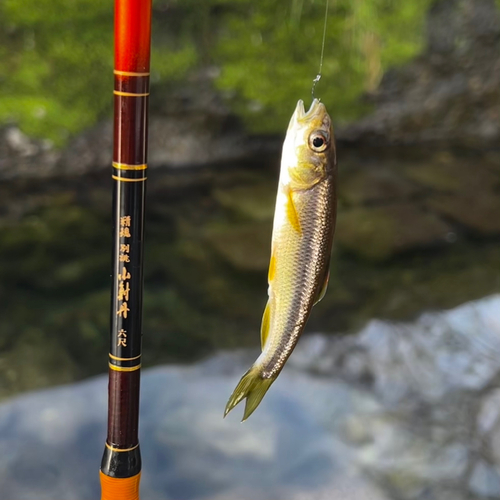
(266, 324)
(323, 288)
(252, 387)
(291, 212)
(305, 175)
(272, 268)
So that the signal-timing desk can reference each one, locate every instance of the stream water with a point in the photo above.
(398, 411)
(417, 231)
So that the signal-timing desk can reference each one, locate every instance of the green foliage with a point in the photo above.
(270, 52)
(56, 55)
(56, 64)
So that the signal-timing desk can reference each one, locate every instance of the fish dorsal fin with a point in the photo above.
(323, 288)
(266, 324)
(291, 211)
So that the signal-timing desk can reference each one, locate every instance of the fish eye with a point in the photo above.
(318, 141)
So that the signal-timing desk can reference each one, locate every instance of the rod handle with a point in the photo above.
(114, 488)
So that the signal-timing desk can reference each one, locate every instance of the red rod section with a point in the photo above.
(132, 35)
(121, 462)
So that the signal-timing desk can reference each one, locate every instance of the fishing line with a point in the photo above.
(318, 76)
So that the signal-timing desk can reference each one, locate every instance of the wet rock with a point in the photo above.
(480, 213)
(485, 481)
(420, 468)
(494, 443)
(449, 174)
(374, 185)
(436, 355)
(378, 233)
(489, 412)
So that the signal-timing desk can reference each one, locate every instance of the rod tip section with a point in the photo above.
(113, 488)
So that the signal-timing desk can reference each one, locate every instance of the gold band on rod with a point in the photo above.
(127, 166)
(112, 448)
(130, 94)
(124, 179)
(116, 358)
(125, 368)
(129, 73)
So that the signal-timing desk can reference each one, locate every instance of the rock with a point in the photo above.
(449, 174)
(494, 443)
(193, 140)
(485, 481)
(489, 412)
(448, 94)
(479, 213)
(433, 357)
(191, 128)
(174, 141)
(90, 151)
(378, 233)
(372, 185)
(438, 354)
(21, 156)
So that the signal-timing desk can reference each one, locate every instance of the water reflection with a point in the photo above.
(349, 418)
(406, 242)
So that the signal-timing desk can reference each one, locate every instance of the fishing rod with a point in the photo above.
(121, 462)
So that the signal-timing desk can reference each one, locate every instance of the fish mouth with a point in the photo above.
(316, 109)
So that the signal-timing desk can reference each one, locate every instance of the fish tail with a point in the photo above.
(253, 387)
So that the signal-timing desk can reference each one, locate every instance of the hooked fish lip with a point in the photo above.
(314, 110)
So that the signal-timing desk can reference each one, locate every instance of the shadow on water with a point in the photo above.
(416, 231)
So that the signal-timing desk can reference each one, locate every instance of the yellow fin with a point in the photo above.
(266, 323)
(252, 387)
(305, 175)
(323, 288)
(293, 216)
(272, 268)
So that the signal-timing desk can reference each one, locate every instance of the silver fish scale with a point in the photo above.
(301, 265)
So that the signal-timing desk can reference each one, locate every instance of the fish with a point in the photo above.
(301, 246)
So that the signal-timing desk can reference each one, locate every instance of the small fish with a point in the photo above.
(304, 223)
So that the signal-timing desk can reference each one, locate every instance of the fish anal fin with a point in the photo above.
(291, 211)
(323, 288)
(266, 324)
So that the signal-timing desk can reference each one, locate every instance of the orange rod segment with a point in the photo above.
(132, 35)
(113, 488)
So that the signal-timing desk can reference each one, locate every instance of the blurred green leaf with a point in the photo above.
(56, 56)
